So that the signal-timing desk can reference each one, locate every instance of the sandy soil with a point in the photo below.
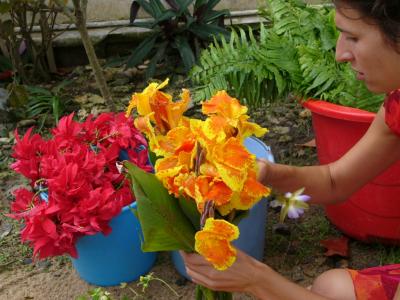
(61, 281)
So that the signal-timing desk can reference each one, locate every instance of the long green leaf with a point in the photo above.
(164, 225)
(185, 52)
(141, 51)
(156, 58)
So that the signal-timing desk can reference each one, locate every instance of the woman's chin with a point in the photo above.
(378, 89)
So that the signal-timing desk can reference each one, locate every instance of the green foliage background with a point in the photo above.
(296, 53)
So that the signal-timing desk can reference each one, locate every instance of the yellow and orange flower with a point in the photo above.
(203, 160)
(159, 107)
(213, 242)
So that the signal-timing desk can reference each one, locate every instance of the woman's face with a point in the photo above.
(371, 56)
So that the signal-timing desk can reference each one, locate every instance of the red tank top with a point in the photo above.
(392, 111)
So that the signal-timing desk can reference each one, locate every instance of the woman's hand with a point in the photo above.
(263, 169)
(240, 277)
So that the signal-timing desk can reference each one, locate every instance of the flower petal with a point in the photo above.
(213, 242)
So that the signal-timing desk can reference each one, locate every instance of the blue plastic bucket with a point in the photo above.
(115, 258)
(252, 228)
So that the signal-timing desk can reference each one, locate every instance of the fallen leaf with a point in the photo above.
(336, 246)
(5, 230)
(310, 143)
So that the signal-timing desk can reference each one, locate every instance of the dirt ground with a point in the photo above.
(293, 250)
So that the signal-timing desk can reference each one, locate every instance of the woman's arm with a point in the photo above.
(246, 275)
(375, 152)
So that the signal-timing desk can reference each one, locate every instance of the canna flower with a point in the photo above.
(159, 107)
(213, 242)
(204, 161)
(293, 204)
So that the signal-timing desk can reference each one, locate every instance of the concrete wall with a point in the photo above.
(106, 10)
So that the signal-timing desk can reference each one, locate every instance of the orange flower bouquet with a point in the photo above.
(204, 181)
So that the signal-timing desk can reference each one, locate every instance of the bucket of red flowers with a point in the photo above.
(78, 202)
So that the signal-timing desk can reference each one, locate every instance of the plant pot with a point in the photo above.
(252, 228)
(372, 213)
(115, 258)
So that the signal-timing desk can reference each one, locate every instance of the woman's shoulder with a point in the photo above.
(392, 111)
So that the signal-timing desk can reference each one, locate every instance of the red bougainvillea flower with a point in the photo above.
(76, 186)
(213, 242)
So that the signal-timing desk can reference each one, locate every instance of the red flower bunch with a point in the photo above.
(76, 187)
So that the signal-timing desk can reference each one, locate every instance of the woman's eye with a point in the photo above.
(352, 39)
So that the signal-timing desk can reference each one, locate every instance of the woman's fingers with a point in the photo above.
(262, 169)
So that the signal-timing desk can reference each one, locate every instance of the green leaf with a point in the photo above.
(164, 225)
(141, 51)
(18, 95)
(212, 3)
(147, 7)
(6, 29)
(215, 15)
(166, 15)
(156, 58)
(189, 208)
(185, 52)
(208, 31)
(5, 7)
(184, 5)
(55, 103)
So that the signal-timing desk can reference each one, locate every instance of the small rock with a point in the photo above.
(142, 67)
(282, 229)
(131, 72)
(3, 98)
(43, 264)
(274, 121)
(95, 111)
(120, 81)
(26, 123)
(310, 271)
(5, 229)
(281, 130)
(342, 263)
(89, 98)
(305, 113)
(121, 89)
(297, 274)
(82, 113)
(27, 261)
(4, 140)
(285, 139)
(319, 261)
(57, 274)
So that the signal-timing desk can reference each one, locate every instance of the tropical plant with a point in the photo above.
(205, 179)
(38, 103)
(22, 15)
(180, 28)
(295, 54)
(42, 102)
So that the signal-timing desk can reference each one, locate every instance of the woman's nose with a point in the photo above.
(343, 54)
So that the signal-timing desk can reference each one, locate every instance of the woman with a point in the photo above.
(370, 41)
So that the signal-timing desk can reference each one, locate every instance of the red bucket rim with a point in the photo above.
(337, 111)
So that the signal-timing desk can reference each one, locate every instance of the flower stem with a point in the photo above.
(168, 286)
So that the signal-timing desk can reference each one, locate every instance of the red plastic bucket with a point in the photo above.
(372, 213)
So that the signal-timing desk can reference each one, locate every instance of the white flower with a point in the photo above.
(293, 204)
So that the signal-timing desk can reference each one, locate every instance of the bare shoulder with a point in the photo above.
(397, 295)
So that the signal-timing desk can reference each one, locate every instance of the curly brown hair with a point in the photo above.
(384, 13)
